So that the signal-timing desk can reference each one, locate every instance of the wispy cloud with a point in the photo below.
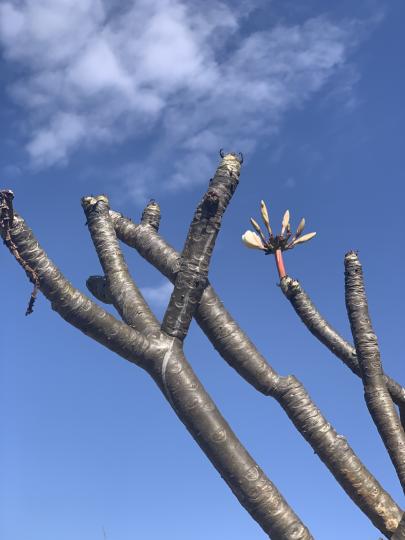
(189, 69)
(158, 296)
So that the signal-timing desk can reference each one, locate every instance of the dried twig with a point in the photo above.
(6, 222)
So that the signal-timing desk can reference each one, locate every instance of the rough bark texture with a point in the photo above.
(74, 306)
(248, 482)
(377, 397)
(400, 532)
(325, 333)
(151, 215)
(125, 295)
(191, 279)
(241, 354)
(338, 456)
(159, 350)
(162, 356)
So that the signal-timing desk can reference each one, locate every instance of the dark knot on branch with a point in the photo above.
(210, 203)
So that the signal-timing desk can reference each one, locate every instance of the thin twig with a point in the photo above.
(6, 222)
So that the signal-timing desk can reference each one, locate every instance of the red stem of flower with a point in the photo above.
(280, 263)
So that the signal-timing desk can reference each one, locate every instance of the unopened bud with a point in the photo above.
(265, 216)
(252, 240)
(304, 238)
(300, 227)
(286, 222)
(255, 224)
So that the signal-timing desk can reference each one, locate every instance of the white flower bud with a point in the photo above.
(300, 227)
(252, 240)
(304, 238)
(286, 222)
(265, 216)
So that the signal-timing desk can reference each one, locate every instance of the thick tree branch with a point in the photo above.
(163, 358)
(336, 453)
(192, 276)
(377, 397)
(125, 295)
(241, 354)
(325, 333)
(71, 304)
(248, 482)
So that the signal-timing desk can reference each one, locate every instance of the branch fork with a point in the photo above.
(241, 354)
(158, 348)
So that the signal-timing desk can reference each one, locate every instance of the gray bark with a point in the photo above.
(241, 354)
(326, 334)
(377, 397)
(159, 352)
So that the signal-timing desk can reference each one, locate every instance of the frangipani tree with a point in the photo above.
(157, 347)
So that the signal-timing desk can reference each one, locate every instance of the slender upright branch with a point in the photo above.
(377, 397)
(125, 295)
(151, 215)
(326, 334)
(196, 256)
(241, 354)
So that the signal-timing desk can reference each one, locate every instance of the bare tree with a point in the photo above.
(158, 347)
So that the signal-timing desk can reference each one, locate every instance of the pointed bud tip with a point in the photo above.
(300, 227)
(265, 216)
(285, 221)
(304, 238)
(255, 225)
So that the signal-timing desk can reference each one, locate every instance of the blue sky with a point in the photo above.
(134, 99)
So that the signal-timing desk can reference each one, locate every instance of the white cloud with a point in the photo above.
(52, 143)
(48, 33)
(158, 296)
(98, 68)
(93, 77)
